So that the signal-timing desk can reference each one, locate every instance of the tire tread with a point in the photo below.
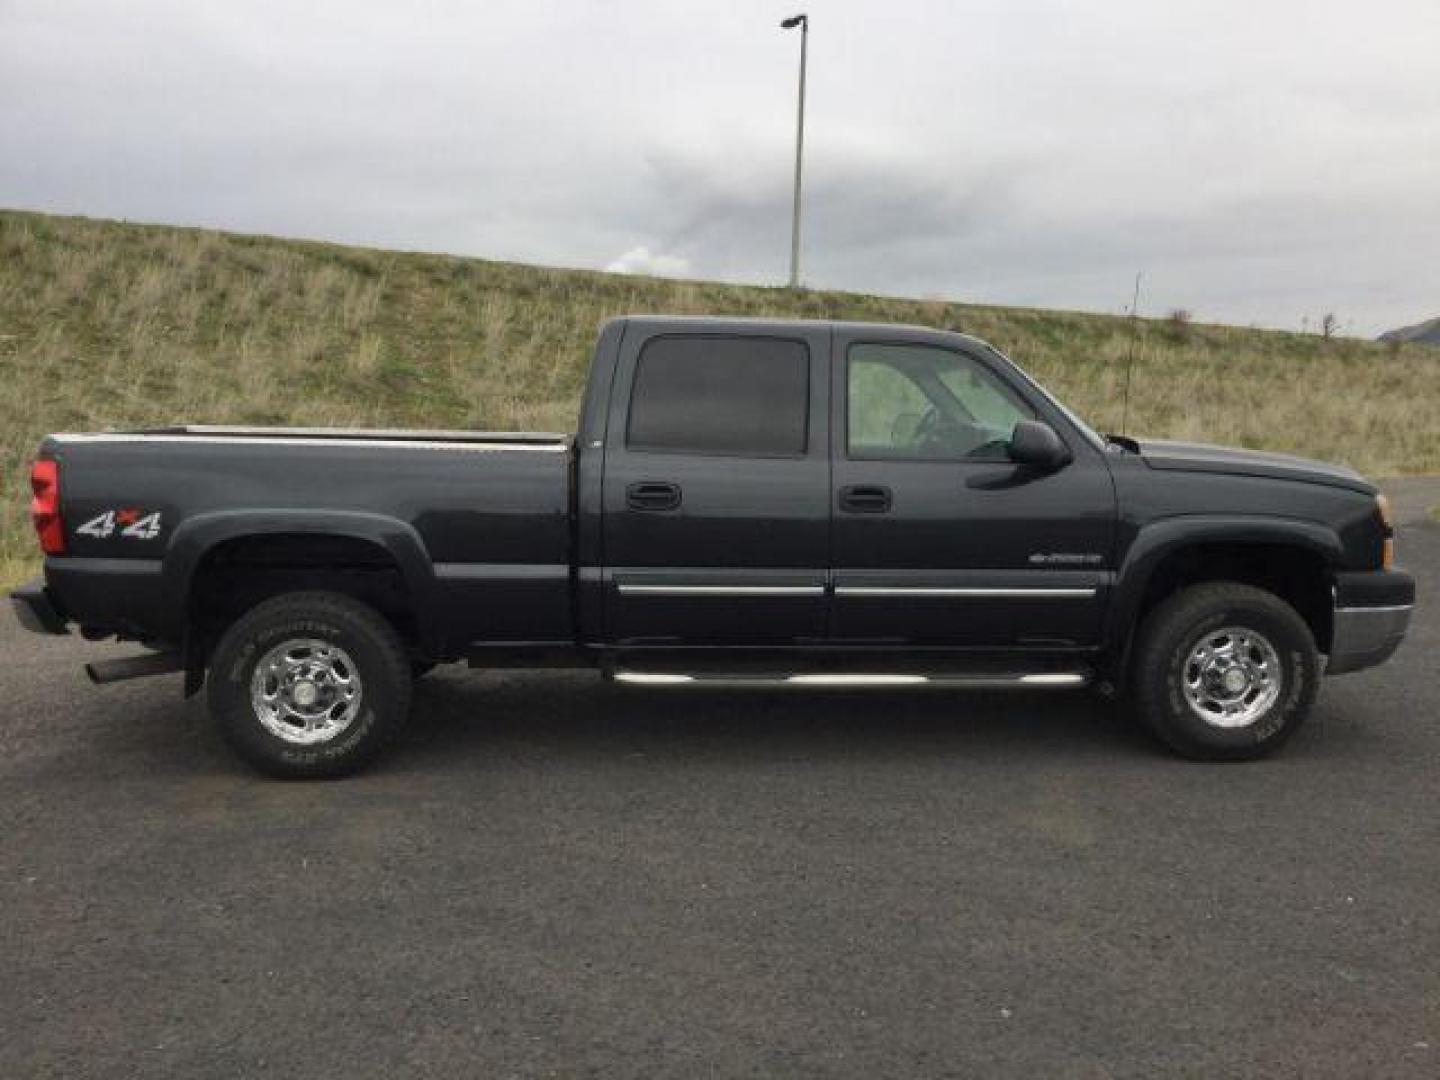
(1161, 634)
(232, 711)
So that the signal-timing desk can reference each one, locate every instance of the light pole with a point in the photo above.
(802, 21)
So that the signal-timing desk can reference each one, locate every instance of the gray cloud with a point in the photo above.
(1261, 163)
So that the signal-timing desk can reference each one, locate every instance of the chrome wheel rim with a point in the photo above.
(306, 691)
(1232, 677)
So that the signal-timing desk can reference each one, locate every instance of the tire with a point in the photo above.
(1185, 650)
(338, 686)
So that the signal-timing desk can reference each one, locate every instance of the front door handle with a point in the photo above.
(865, 499)
(652, 495)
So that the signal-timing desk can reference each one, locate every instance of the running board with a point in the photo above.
(1038, 680)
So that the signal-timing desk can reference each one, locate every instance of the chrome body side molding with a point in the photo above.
(720, 590)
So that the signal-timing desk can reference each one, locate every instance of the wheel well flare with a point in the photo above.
(237, 574)
(1297, 575)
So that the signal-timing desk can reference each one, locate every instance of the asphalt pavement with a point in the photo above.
(553, 877)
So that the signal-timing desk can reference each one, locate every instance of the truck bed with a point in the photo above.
(480, 520)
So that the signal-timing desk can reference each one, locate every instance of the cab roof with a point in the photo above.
(745, 324)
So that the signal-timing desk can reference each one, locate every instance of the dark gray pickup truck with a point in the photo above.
(769, 503)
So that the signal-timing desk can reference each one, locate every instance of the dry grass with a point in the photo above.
(104, 324)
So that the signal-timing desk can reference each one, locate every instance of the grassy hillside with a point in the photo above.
(104, 324)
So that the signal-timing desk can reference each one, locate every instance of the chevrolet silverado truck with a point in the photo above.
(767, 503)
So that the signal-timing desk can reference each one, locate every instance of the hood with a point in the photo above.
(1197, 457)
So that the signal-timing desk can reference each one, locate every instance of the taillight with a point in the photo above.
(45, 506)
(1387, 529)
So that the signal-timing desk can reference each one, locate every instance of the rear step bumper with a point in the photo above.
(836, 680)
(35, 610)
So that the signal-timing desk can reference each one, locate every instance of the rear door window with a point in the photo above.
(740, 396)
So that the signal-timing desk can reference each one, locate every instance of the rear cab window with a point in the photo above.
(736, 396)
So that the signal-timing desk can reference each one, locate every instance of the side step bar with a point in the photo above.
(134, 667)
(1053, 680)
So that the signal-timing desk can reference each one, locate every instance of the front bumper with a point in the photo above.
(35, 610)
(1372, 613)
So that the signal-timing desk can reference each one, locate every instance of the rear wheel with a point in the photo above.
(310, 685)
(1225, 671)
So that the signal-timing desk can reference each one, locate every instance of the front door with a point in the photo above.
(939, 539)
(716, 489)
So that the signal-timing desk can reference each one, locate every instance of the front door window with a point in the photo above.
(921, 403)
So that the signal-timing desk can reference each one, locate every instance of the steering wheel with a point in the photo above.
(925, 430)
(940, 435)
(937, 434)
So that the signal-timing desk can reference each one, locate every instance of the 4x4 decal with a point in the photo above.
(135, 524)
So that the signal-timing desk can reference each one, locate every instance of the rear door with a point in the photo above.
(941, 540)
(717, 487)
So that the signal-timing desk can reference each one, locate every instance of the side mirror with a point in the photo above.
(1036, 443)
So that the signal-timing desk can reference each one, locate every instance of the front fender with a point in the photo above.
(1156, 542)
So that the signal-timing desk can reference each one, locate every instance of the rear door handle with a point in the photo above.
(865, 499)
(652, 495)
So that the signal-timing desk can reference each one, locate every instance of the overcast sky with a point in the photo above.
(1261, 161)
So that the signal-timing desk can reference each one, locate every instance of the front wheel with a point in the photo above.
(310, 684)
(1225, 671)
